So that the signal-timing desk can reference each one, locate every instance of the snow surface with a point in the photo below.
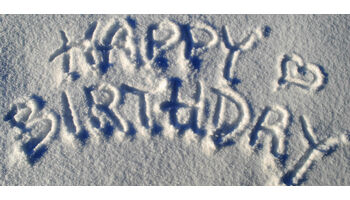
(174, 100)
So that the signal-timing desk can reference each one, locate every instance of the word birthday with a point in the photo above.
(215, 115)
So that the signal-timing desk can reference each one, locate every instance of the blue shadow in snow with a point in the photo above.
(34, 156)
(173, 106)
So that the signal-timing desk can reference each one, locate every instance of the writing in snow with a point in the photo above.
(216, 124)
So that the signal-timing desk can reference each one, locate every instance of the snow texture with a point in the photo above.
(174, 100)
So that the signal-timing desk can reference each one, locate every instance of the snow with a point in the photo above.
(174, 100)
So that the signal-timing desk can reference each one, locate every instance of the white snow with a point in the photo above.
(174, 100)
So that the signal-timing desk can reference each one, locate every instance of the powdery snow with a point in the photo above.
(174, 100)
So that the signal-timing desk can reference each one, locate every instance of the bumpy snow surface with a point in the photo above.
(174, 100)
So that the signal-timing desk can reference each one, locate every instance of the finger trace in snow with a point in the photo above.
(294, 71)
(35, 125)
(130, 83)
(314, 152)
